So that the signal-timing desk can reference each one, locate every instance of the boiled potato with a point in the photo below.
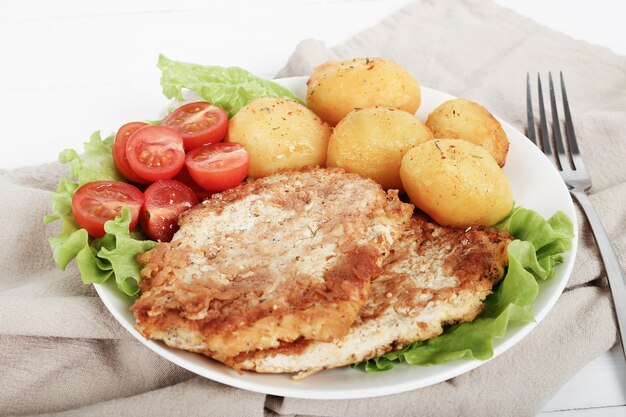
(463, 119)
(456, 183)
(372, 142)
(279, 134)
(336, 88)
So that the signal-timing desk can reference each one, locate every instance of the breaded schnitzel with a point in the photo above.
(283, 258)
(434, 276)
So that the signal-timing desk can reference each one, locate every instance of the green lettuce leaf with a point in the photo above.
(95, 164)
(114, 254)
(229, 88)
(69, 242)
(532, 256)
(62, 200)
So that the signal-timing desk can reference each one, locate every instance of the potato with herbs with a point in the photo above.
(279, 134)
(456, 183)
(463, 119)
(372, 142)
(335, 88)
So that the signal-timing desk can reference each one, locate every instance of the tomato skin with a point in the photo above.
(164, 201)
(96, 202)
(184, 177)
(155, 152)
(199, 123)
(119, 151)
(218, 166)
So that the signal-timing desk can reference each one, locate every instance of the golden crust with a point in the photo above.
(277, 259)
(433, 277)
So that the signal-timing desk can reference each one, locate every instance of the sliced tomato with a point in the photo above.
(184, 177)
(164, 201)
(119, 151)
(218, 166)
(96, 202)
(155, 152)
(198, 123)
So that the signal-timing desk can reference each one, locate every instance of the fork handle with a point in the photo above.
(614, 271)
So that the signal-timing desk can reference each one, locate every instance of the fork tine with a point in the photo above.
(569, 125)
(543, 126)
(561, 157)
(532, 135)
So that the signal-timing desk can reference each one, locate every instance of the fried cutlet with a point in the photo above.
(283, 258)
(434, 276)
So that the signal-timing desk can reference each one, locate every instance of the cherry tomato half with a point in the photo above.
(164, 201)
(199, 123)
(155, 152)
(119, 151)
(218, 166)
(184, 177)
(96, 202)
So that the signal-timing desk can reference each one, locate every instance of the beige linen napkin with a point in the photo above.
(62, 352)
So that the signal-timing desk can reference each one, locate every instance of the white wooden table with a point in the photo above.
(67, 69)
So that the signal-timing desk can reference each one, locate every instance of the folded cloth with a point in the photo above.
(62, 352)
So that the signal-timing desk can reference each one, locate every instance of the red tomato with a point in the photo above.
(96, 202)
(218, 166)
(184, 177)
(198, 123)
(155, 152)
(119, 151)
(164, 201)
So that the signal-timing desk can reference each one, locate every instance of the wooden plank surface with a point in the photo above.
(602, 383)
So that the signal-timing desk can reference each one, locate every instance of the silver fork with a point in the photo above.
(568, 161)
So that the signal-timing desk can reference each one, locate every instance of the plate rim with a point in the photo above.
(460, 367)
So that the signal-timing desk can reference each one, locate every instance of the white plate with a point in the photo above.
(536, 185)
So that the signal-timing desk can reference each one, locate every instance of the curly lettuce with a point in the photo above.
(533, 256)
(538, 248)
(111, 256)
(229, 88)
